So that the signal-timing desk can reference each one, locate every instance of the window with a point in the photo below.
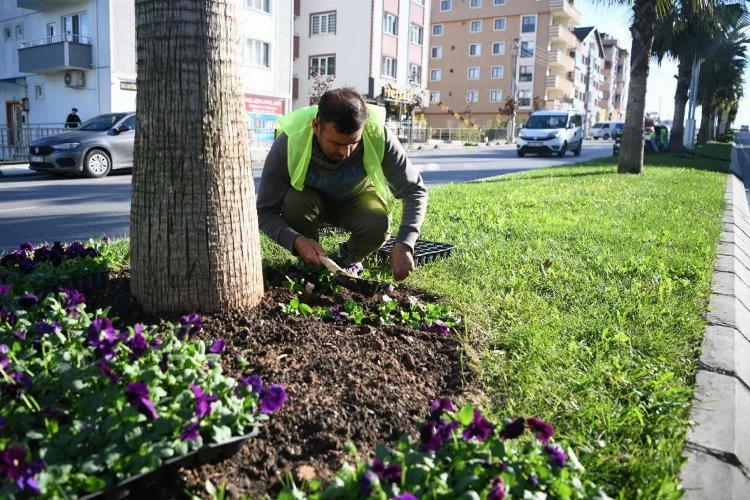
(390, 24)
(264, 5)
(497, 72)
(323, 23)
(434, 96)
(524, 98)
(415, 73)
(475, 4)
(436, 52)
(475, 49)
(389, 67)
(39, 91)
(499, 24)
(527, 49)
(51, 29)
(7, 33)
(496, 95)
(323, 66)
(435, 75)
(476, 26)
(472, 96)
(257, 53)
(75, 26)
(19, 31)
(415, 34)
(445, 5)
(498, 48)
(499, 2)
(528, 24)
(524, 74)
(128, 124)
(437, 30)
(473, 73)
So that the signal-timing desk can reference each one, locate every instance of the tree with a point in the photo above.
(320, 84)
(194, 242)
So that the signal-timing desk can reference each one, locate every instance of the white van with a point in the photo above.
(551, 132)
(606, 130)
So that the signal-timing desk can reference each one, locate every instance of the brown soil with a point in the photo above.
(361, 383)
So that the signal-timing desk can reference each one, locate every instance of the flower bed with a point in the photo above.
(86, 405)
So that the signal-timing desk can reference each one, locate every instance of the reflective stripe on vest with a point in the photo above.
(297, 125)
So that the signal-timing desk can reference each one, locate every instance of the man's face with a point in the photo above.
(335, 145)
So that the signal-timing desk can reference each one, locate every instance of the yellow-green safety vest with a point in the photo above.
(297, 125)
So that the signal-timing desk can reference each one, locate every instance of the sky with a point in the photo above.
(616, 20)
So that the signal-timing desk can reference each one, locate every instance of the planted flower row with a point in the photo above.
(461, 454)
(84, 405)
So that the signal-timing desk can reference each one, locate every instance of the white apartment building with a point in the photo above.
(60, 54)
(380, 48)
(587, 75)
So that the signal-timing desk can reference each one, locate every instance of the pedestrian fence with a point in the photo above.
(15, 140)
(420, 135)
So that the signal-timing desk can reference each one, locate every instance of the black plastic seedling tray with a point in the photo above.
(424, 251)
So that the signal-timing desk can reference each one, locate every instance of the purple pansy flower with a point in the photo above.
(190, 432)
(137, 395)
(27, 247)
(4, 361)
(3, 423)
(541, 429)
(406, 496)
(138, 344)
(480, 428)
(389, 472)
(105, 238)
(48, 328)
(71, 300)
(26, 483)
(10, 316)
(440, 405)
(336, 313)
(21, 383)
(366, 482)
(28, 300)
(52, 413)
(4, 290)
(106, 371)
(556, 454)
(512, 429)
(190, 324)
(440, 328)
(202, 401)
(254, 382)
(272, 398)
(435, 433)
(101, 336)
(497, 489)
(389, 289)
(20, 334)
(14, 462)
(424, 326)
(217, 347)
(534, 480)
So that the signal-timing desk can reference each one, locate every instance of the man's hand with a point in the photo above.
(402, 261)
(308, 250)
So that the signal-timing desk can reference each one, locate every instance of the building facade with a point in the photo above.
(588, 79)
(56, 55)
(379, 48)
(616, 80)
(484, 51)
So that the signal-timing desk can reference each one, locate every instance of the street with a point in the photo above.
(45, 208)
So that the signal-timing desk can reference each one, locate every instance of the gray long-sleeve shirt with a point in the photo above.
(338, 181)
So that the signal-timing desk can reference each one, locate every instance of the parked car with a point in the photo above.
(95, 148)
(605, 130)
(551, 132)
(744, 128)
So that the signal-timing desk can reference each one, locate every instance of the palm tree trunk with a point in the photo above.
(194, 232)
(677, 133)
(631, 153)
(706, 113)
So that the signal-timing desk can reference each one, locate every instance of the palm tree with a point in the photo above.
(689, 33)
(194, 232)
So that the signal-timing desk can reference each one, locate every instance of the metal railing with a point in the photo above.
(15, 140)
(421, 135)
(48, 40)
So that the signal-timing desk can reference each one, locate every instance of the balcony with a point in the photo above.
(560, 62)
(563, 12)
(559, 87)
(562, 35)
(55, 53)
(42, 5)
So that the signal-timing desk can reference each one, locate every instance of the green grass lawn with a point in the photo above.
(584, 292)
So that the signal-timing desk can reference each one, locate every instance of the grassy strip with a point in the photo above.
(588, 289)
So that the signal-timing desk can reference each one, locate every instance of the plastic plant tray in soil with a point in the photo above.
(139, 486)
(424, 251)
(89, 281)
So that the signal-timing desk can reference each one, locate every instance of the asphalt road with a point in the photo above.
(44, 208)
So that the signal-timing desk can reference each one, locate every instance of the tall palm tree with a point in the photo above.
(194, 231)
(688, 33)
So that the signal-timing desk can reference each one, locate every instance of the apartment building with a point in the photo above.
(484, 51)
(379, 48)
(55, 55)
(587, 76)
(616, 80)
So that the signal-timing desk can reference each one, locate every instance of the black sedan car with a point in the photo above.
(95, 148)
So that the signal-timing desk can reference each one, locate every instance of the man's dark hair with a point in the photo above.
(343, 107)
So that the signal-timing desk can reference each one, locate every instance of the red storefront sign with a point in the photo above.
(264, 105)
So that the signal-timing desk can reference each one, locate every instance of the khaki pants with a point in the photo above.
(364, 215)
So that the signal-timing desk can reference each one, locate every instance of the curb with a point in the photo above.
(718, 442)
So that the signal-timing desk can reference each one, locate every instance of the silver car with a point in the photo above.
(95, 148)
